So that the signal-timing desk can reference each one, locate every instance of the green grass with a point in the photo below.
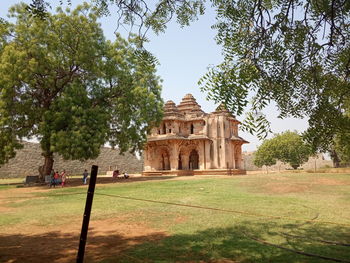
(195, 234)
(5, 181)
(10, 183)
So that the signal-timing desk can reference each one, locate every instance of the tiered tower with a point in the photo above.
(189, 141)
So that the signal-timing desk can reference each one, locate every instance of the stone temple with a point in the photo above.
(191, 142)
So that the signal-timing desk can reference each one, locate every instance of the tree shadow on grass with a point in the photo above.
(237, 244)
(230, 244)
(63, 247)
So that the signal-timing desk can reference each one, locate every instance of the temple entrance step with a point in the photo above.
(194, 172)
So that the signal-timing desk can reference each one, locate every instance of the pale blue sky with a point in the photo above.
(184, 55)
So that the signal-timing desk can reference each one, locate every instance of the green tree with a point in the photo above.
(62, 82)
(138, 14)
(287, 147)
(326, 138)
(292, 149)
(295, 53)
(265, 154)
(341, 147)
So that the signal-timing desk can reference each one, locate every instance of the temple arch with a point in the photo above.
(165, 165)
(237, 157)
(179, 166)
(193, 162)
(163, 158)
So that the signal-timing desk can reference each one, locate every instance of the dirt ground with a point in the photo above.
(106, 238)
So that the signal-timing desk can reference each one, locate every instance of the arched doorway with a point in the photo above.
(193, 160)
(165, 161)
(179, 163)
(237, 156)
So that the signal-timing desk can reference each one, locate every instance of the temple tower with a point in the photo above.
(189, 141)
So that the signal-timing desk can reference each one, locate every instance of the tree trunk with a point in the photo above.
(295, 166)
(47, 167)
(335, 158)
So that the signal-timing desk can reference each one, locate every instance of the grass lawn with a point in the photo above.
(186, 219)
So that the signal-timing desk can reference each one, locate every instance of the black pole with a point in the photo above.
(87, 212)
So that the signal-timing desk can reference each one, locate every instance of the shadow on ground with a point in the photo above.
(239, 244)
(72, 182)
(232, 244)
(58, 247)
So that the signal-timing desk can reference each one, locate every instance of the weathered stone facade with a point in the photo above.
(190, 141)
(29, 158)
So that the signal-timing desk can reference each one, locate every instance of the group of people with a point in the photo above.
(58, 178)
(116, 174)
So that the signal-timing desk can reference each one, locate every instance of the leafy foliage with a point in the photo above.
(288, 147)
(140, 14)
(265, 154)
(63, 83)
(342, 147)
(293, 52)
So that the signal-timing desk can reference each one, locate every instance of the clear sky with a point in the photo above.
(184, 55)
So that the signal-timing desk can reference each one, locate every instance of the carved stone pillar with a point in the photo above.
(174, 156)
(185, 161)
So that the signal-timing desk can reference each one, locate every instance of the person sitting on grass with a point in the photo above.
(126, 176)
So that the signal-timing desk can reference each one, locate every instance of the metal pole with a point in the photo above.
(87, 212)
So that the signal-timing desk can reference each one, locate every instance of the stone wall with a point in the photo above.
(313, 163)
(29, 158)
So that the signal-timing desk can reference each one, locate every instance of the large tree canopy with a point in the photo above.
(341, 147)
(287, 147)
(62, 82)
(295, 53)
(141, 15)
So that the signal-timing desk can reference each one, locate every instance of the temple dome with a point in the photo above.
(170, 109)
(222, 109)
(189, 105)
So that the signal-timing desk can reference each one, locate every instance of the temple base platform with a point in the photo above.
(194, 172)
